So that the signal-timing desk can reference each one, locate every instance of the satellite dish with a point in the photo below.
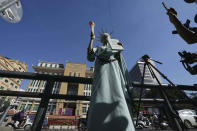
(11, 10)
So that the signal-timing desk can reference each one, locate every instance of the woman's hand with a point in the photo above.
(92, 35)
(90, 47)
(172, 15)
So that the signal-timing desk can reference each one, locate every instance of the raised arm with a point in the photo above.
(189, 36)
(90, 47)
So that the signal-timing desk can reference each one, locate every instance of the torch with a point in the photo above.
(91, 23)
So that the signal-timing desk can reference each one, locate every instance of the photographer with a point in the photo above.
(189, 35)
(187, 59)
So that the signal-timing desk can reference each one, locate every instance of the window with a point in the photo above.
(16, 87)
(48, 108)
(74, 73)
(35, 83)
(6, 80)
(43, 64)
(70, 73)
(11, 84)
(38, 83)
(78, 74)
(18, 81)
(35, 107)
(44, 84)
(53, 65)
(53, 108)
(22, 107)
(72, 89)
(48, 65)
(84, 109)
(32, 82)
(28, 107)
(89, 87)
(1, 87)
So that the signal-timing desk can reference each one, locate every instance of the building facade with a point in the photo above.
(87, 92)
(60, 106)
(136, 75)
(74, 108)
(31, 104)
(11, 65)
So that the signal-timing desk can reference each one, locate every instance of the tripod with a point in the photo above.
(171, 112)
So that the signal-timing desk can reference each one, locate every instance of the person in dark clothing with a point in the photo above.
(188, 34)
(21, 117)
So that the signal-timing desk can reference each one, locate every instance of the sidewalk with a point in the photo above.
(63, 127)
(3, 128)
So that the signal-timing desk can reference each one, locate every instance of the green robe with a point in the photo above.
(108, 106)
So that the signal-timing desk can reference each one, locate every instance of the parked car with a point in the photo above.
(188, 117)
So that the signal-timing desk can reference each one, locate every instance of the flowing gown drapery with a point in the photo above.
(108, 106)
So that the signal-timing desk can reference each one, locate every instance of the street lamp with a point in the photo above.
(11, 10)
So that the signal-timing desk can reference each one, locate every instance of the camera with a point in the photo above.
(187, 59)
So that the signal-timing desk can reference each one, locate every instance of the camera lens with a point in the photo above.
(195, 18)
(189, 1)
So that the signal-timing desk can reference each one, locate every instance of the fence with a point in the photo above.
(47, 93)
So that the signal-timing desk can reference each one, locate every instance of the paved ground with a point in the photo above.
(162, 130)
(7, 129)
(136, 130)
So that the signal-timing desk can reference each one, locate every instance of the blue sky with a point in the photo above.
(58, 31)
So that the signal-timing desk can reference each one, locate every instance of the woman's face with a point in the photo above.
(104, 38)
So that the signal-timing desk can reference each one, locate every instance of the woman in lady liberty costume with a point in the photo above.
(108, 110)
